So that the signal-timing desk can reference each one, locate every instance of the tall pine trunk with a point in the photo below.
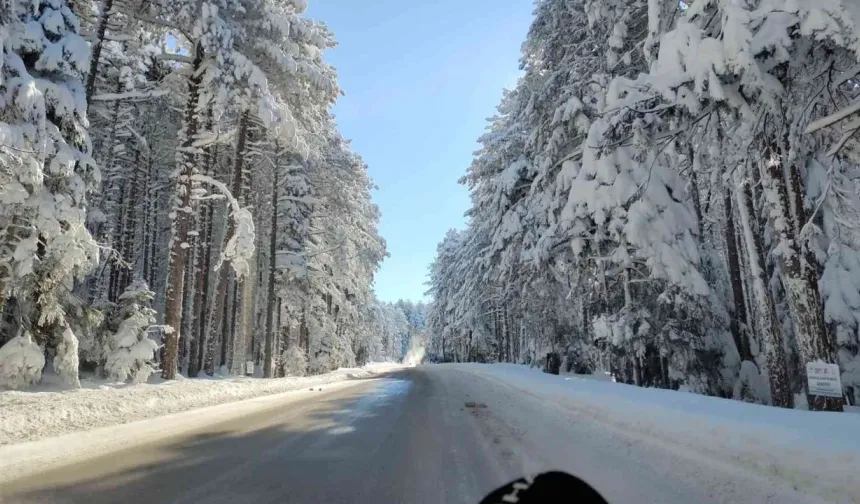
(178, 249)
(117, 266)
(150, 225)
(783, 191)
(96, 52)
(776, 361)
(237, 359)
(738, 321)
(212, 327)
(230, 332)
(201, 304)
(226, 332)
(131, 226)
(187, 304)
(203, 254)
(506, 331)
(269, 350)
(216, 339)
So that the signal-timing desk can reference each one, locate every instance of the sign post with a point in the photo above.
(823, 379)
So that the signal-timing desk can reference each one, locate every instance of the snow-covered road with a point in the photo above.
(407, 438)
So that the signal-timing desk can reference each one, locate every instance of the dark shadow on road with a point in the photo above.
(306, 451)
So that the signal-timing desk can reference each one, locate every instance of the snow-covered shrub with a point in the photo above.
(87, 325)
(66, 360)
(129, 352)
(321, 344)
(751, 385)
(21, 362)
(295, 361)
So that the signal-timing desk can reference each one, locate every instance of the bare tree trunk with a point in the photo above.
(497, 331)
(218, 317)
(747, 289)
(178, 258)
(194, 313)
(738, 321)
(214, 321)
(628, 303)
(637, 379)
(111, 201)
(240, 335)
(283, 339)
(664, 372)
(153, 240)
(231, 331)
(469, 352)
(151, 227)
(694, 190)
(199, 346)
(130, 228)
(203, 252)
(304, 336)
(506, 331)
(187, 332)
(269, 353)
(147, 220)
(776, 362)
(96, 52)
(116, 268)
(246, 319)
(224, 331)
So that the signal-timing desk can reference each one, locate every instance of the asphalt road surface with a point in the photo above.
(352, 445)
(410, 437)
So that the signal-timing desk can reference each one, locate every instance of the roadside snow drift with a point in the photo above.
(815, 451)
(29, 416)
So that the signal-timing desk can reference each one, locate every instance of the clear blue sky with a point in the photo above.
(420, 79)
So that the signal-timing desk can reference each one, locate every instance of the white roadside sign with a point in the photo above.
(249, 367)
(823, 379)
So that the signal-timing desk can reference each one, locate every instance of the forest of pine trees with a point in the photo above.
(670, 193)
(175, 195)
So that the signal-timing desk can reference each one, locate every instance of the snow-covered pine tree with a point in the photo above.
(129, 352)
(218, 71)
(43, 196)
(168, 114)
(772, 67)
(21, 362)
(609, 240)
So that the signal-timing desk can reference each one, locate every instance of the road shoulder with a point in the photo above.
(25, 459)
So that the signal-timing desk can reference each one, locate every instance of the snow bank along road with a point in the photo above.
(409, 437)
(33, 415)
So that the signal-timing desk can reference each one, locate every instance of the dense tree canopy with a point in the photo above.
(669, 193)
(173, 178)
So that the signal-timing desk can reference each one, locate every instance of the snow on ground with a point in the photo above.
(817, 453)
(42, 413)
